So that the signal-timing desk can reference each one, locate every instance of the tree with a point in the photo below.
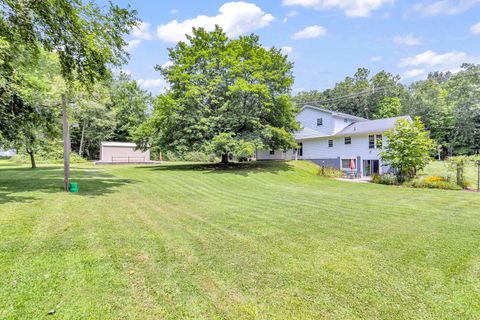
(387, 108)
(408, 149)
(463, 95)
(32, 119)
(86, 37)
(94, 117)
(222, 90)
(130, 104)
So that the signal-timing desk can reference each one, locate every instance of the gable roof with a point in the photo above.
(336, 114)
(371, 126)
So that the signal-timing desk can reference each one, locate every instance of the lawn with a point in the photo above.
(440, 168)
(269, 240)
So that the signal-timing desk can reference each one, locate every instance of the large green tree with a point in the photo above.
(408, 147)
(86, 38)
(30, 119)
(131, 106)
(223, 93)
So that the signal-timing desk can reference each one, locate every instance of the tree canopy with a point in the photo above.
(228, 92)
(409, 147)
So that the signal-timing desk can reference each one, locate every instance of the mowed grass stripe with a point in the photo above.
(272, 241)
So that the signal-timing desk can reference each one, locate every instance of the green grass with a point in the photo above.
(260, 241)
(440, 168)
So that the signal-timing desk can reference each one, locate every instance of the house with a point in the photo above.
(122, 152)
(334, 139)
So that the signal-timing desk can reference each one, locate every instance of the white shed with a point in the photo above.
(122, 152)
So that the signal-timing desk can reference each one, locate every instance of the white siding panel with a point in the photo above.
(123, 154)
(278, 155)
(308, 119)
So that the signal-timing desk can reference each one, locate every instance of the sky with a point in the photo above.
(326, 40)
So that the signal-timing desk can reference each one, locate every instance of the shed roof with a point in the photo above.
(119, 144)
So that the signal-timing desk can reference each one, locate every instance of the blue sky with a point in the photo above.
(326, 39)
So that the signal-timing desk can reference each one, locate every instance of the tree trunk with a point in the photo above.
(225, 158)
(32, 158)
(82, 140)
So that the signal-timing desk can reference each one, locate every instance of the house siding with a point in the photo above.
(308, 119)
(278, 155)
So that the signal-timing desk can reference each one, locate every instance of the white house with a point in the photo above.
(334, 139)
(122, 152)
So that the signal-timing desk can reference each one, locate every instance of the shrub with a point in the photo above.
(54, 158)
(388, 179)
(330, 172)
(193, 156)
(433, 182)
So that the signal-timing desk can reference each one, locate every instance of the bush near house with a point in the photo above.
(388, 179)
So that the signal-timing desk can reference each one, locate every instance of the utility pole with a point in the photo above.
(66, 145)
(478, 176)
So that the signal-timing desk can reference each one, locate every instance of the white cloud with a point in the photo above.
(155, 85)
(142, 31)
(174, 11)
(432, 59)
(351, 8)
(286, 49)
(475, 29)
(133, 44)
(441, 7)
(310, 32)
(290, 14)
(375, 59)
(408, 40)
(235, 18)
(413, 73)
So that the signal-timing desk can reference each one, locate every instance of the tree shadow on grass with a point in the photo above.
(16, 181)
(240, 168)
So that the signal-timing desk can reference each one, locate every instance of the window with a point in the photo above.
(348, 140)
(320, 122)
(371, 141)
(346, 163)
(330, 143)
(272, 152)
(300, 149)
(379, 141)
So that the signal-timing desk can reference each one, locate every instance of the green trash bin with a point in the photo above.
(73, 186)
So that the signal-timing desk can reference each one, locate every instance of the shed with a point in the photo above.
(122, 152)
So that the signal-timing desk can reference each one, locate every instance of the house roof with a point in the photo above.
(370, 126)
(336, 114)
(118, 144)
